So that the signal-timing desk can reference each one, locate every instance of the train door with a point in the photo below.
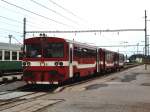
(97, 61)
(70, 60)
(102, 60)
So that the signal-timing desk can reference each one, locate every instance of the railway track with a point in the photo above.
(26, 96)
(29, 98)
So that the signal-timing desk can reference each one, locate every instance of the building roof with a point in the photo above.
(7, 46)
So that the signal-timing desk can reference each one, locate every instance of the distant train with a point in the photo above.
(10, 57)
(52, 60)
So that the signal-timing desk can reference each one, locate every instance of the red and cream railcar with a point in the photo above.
(108, 60)
(51, 60)
(121, 61)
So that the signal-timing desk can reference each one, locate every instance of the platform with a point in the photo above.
(126, 91)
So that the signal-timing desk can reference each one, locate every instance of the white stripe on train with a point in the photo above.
(65, 63)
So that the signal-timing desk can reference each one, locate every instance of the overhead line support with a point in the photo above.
(85, 31)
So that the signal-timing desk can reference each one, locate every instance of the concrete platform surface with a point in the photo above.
(126, 91)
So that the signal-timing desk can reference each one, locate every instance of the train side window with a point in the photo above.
(7, 55)
(14, 55)
(20, 55)
(0, 55)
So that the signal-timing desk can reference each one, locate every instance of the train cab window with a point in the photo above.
(33, 51)
(7, 55)
(14, 55)
(0, 55)
(20, 55)
(54, 50)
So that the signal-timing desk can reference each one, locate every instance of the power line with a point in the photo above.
(10, 30)
(11, 19)
(53, 11)
(35, 13)
(17, 40)
(131, 51)
(120, 45)
(9, 24)
(31, 24)
(68, 11)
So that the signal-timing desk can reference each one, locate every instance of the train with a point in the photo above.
(53, 60)
(10, 58)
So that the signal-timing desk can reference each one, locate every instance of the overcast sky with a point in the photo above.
(78, 15)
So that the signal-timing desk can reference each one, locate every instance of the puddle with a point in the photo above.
(96, 86)
(145, 84)
(129, 78)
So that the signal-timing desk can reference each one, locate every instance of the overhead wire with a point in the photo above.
(37, 14)
(68, 11)
(10, 30)
(30, 24)
(16, 40)
(53, 11)
(11, 19)
(9, 24)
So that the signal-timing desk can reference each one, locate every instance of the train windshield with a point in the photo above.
(53, 50)
(33, 51)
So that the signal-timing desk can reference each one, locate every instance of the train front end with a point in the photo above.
(45, 60)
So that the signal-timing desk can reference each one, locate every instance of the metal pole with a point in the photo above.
(24, 32)
(137, 48)
(10, 37)
(145, 40)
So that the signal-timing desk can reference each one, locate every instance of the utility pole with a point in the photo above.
(24, 32)
(10, 37)
(137, 48)
(145, 40)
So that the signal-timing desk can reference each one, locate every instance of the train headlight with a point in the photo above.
(56, 63)
(61, 63)
(28, 63)
(23, 63)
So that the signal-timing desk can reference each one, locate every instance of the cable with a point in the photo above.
(31, 24)
(10, 30)
(11, 19)
(65, 9)
(53, 11)
(87, 31)
(35, 13)
(9, 24)
(16, 40)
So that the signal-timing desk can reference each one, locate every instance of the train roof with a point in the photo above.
(7, 46)
(69, 41)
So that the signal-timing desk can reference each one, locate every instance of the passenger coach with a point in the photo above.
(51, 60)
(10, 58)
